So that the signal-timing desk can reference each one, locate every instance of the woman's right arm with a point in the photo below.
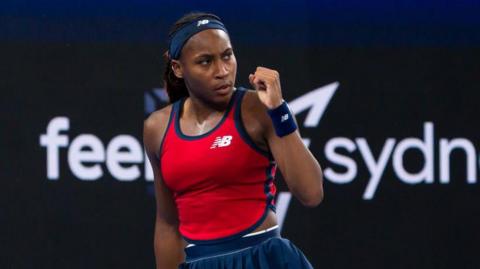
(168, 243)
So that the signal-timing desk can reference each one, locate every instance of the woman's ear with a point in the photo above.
(177, 69)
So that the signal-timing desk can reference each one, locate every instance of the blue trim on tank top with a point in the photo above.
(170, 117)
(178, 108)
(234, 236)
(266, 188)
(241, 127)
(160, 148)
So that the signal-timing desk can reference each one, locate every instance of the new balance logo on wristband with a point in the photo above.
(202, 22)
(284, 118)
(222, 141)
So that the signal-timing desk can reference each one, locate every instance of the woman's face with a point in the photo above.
(208, 66)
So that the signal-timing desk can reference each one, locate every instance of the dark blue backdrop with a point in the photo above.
(323, 23)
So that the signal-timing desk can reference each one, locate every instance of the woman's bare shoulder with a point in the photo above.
(255, 118)
(159, 118)
(154, 127)
(253, 107)
(252, 101)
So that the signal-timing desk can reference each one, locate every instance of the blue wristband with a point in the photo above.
(282, 119)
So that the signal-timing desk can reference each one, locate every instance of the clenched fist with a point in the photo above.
(267, 84)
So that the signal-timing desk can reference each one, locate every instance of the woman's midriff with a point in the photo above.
(270, 221)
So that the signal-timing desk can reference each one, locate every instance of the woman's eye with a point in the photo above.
(204, 62)
(227, 56)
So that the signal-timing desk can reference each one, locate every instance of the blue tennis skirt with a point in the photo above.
(266, 250)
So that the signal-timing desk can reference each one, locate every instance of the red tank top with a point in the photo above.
(222, 183)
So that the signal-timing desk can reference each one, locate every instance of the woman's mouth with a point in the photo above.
(223, 89)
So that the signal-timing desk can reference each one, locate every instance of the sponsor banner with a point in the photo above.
(395, 131)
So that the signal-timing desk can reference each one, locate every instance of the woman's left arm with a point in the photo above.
(300, 169)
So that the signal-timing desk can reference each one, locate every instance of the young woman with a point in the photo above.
(214, 151)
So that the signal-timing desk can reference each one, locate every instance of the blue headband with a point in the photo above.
(180, 37)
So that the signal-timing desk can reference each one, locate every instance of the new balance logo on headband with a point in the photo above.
(202, 22)
(222, 141)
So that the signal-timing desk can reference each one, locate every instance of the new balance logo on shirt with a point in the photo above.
(222, 141)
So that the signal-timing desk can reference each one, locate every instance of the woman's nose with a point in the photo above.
(222, 70)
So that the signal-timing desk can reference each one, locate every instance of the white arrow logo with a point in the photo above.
(316, 102)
